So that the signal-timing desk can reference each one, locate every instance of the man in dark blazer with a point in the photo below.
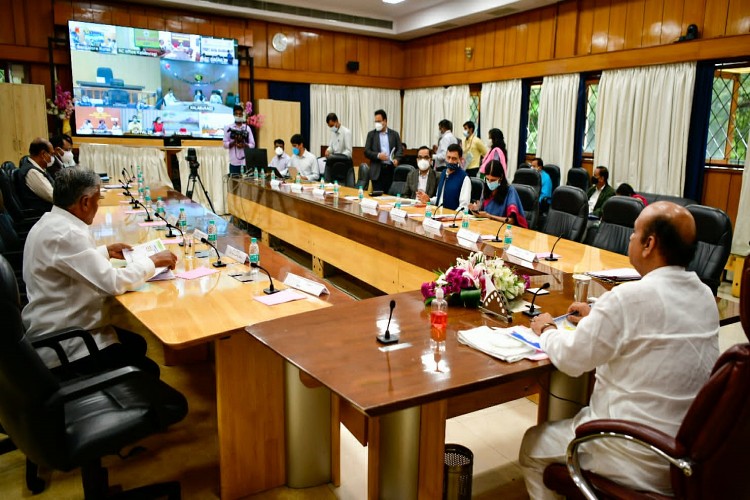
(422, 179)
(384, 150)
(600, 191)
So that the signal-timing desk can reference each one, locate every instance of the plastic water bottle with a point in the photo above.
(336, 190)
(428, 211)
(397, 204)
(182, 221)
(298, 180)
(160, 209)
(465, 219)
(141, 192)
(322, 185)
(147, 197)
(360, 194)
(273, 175)
(508, 238)
(257, 174)
(438, 321)
(254, 255)
(212, 231)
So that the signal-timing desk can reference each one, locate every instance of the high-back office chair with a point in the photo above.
(477, 185)
(530, 203)
(745, 298)
(529, 177)
(708, 456)
(64, 426)
(339, 168)
(714, 241)
(554, 174)
(23, 218)
(105, 73)
(399, 179)
(568, 213)
(363, 177)
(578, 177)
(618, 220)
(524, 165)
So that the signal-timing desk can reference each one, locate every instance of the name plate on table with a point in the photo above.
(369, 203)
(276, 183)
(370, 211)
(172, 219)
(235, 254)
(319, 193)
(198, 234)
(522, 254)
(296, 188)
(432, 225)
(468, 235)
(304, 284)
(397, 213)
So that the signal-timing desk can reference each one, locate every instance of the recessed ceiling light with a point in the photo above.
(392, 1)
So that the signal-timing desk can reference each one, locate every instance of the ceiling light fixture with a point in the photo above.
(392, 1)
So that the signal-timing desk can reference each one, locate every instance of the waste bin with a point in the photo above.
(457, 472)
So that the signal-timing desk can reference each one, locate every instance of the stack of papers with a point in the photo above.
(616, 275)
(500, 343)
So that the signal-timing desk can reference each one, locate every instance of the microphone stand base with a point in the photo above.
(269, 291)
(496, 240)
(550, 259)
(219, 264)
(390, 339)
(531, 314)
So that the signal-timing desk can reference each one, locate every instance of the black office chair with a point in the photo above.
(554, 174)
(714, 241)
(67, 425)
(363, 177)
(568, 213)
(618, 219)
(23, 218)
(529, 177)
(339, 168)
(524, 165)
(105, 73)
(399, 179)
(530, 202)
(477, 185)
(579, 178)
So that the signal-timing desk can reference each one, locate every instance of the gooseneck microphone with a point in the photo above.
(459, 211)
(148, 214)
(497, 239)
(270, 289)
(386, 337)
(552, 252)
(125, 186)
(532, 310)
(170, 227)
(218, 262)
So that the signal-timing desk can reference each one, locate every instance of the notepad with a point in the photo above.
(154, 223)
(198, 272)
(281, 297)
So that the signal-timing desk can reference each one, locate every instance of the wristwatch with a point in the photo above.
(547, 325)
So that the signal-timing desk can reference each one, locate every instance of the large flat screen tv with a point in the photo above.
(141, 81)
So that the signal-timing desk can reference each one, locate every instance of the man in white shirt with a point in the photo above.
(280, 160)
(446, 139)
(341, 137)
(35, 184)
(600, 191)
(69, 280)
(423, 179)
(653, 344)
(304, 161)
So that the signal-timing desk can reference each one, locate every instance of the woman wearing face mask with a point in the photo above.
(500, 200)
(474, 149)
(422, 180)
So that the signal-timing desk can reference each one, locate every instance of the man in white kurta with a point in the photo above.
(69, 279)
(653, 344)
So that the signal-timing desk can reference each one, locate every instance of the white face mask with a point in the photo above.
(466, 133)
(379, 126)
(68, 159)
(334, 129)
(279, 151)
(238, 119)
(51, 161)
(423, 165)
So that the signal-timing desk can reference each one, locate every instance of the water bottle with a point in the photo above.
(336, 190)
(257, 174)
(254, 254)
(438, 321)
(188, 245)
(298, 180)
(322, 185)
(147, 196)
(508, 238)
(212, 232)
(160, 207)
(428, 211)
(182, 222)
(141, 194)
(361, 194)
(398, 201)
(273, 175)
(465, 219)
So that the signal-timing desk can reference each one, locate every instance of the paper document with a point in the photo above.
(198, 272)
(144, 251)
(620, 274)
(281, 297)
(497, 343)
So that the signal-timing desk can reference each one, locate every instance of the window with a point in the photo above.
(729, 123)
(474, 107)
(589, 134)
(533, 125)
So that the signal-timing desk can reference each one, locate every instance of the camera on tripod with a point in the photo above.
(239, 135)
(192, 159)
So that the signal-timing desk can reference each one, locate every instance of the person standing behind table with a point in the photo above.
(454, 186)
(304, 161)
(423, 179)
(378, 147)
(280, 160)
(473, 148)
(653, 344)
(70, 281)
(445, 127)
(35, 184)
(500, 200)
(237, 137)
(340, 142)
(600, 191)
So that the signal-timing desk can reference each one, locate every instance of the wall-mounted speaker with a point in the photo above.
(352, 65)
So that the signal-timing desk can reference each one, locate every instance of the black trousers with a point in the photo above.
(384, 181)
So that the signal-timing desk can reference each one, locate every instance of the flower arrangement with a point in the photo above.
(63, 104)
(253, 120)
(465, 282)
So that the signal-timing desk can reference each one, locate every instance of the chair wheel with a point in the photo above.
(35, 485)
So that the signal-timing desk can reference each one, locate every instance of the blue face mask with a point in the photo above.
(295, 151)
(452, 166)
(492, 185)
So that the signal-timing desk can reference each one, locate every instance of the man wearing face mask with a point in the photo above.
(237, 137)
(280, 161)
(422, 180)
(303, 160)
(600, 191)
(341, 137)
(35, 184)
(63, 145)
(446, 139)
(454, 186)
(384, 150)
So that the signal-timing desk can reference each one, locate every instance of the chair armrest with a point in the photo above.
(648, 435)
(53, 339)
(89, 385)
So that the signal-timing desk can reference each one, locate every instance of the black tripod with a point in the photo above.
(191, 182)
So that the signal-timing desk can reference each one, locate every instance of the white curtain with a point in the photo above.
(642, 123)
(355, 107)
(741, 238)
(557, 121)
(212, 171)
(424, 108)
(112, 159)
(501, 108)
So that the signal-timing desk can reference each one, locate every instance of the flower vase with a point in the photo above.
(66, 126)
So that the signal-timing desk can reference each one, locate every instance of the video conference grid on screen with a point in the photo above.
(141, 81)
